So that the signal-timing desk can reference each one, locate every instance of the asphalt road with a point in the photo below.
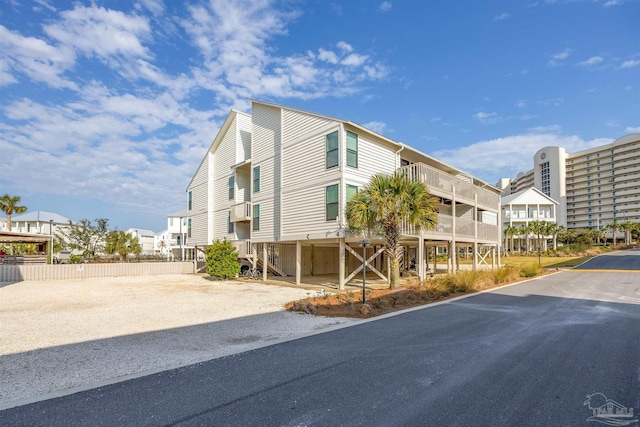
(524, 355)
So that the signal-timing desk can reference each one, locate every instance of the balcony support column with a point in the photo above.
(265, 260)
(475, 231)
(298, 262)
(341, 264)
(421, 258)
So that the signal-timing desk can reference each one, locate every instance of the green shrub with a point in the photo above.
(222, 260)
(530, 270)
(75, 259)
(504, 274)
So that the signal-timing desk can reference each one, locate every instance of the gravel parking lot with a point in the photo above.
(56, 337)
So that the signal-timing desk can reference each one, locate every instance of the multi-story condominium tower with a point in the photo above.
(277, 182)
(594, 187)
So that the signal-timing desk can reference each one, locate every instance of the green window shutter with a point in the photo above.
(352, 150)
(332, 202)
(256, 217)
(232, 183)
(332, 150)
(256, 179)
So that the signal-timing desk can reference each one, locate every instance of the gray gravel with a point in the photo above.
(59, 337)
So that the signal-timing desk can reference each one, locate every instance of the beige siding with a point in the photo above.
(200, 204)
(243, 147)
(304, 211)
(266, 149)
(225, 158)
(220, 225)
(296, 125)
(374, 156)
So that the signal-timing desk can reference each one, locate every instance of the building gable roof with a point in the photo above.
(42, 216)
(528, 196)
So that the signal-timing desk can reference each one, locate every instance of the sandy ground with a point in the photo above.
(64, 334)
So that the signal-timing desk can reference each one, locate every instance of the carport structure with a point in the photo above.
(12, 237)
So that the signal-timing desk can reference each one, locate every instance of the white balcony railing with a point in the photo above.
(241, 212)
(243, 247)
(464, 228)
(442, 184)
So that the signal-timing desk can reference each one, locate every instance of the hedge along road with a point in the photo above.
(527, 354)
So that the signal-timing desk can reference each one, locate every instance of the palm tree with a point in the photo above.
(614, 226)
(523, 231)
(553, 230)
(509, 232)
(9, 205)
(384, 205)
(628, 227)
(539, 228)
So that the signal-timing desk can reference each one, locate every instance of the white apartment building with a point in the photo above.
(171, 243)
(524, 207)
(36, 222)
(594, 187)
(276, 183)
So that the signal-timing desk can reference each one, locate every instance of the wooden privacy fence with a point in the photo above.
(18, 273)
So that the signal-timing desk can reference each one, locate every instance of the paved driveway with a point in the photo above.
(524, 355)
(55, 336)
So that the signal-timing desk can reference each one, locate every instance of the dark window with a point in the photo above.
(256, 179)
(232, 183)
(190, 199)
(332, 149)
(256, 217)
(332, 202)
(352, 190)
(352, 150)
(189, 228)
(229, 224)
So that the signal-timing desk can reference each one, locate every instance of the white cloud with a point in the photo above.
(487, 118)
(503, 16)
(385, 6)
(327, 55)
(103, 33)
(629, 64)
(554, 102)
(521, 104)
(376, 126)
(633, 129)
(505, 157)
(342, 45)
(354, 60)
(558, 57)
(435, 119)
(35, 58)
(594, 60)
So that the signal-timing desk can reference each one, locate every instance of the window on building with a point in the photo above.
(232, 186)
(352, 149)
(332, 150)
(256, 179)
(256, 217)
(546, 178)
(352, 190)
(190, 200)
(171, 222)
(189, 227)
(229, 224)
(331, 202)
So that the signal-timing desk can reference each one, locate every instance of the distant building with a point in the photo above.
(522, 208)
(37, 222)
(171, 243)
(146, 239)
(594, 187)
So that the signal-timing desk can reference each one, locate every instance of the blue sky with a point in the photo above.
(106, 108)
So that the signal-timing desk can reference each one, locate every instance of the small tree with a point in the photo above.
(122, 243)
(85, 236)
(222, 260)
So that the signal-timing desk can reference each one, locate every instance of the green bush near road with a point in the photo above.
(222, 260)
